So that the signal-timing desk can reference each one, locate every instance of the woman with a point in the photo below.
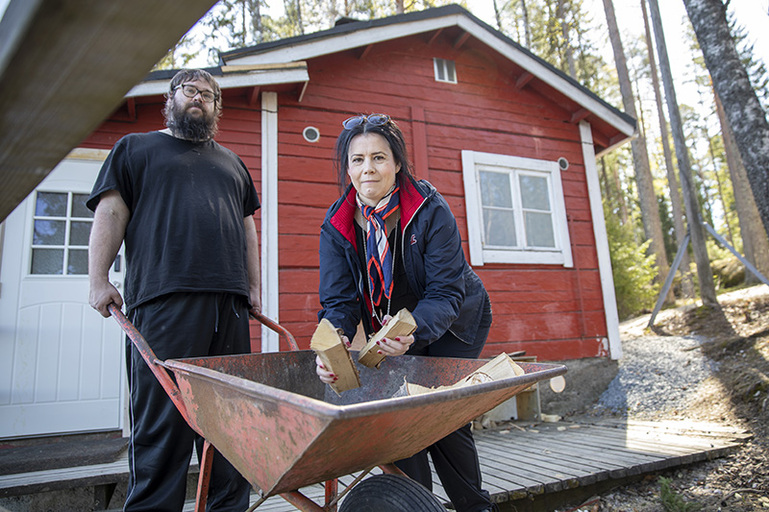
(391, 242)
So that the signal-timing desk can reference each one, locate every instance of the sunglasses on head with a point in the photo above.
(373, 119)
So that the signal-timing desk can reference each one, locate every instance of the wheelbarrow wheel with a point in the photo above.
(390, 493)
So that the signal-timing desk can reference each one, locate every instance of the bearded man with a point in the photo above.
(183, 205)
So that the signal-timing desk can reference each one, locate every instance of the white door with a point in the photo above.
(61, 363)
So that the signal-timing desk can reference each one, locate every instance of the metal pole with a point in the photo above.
(669, 280)
(745, 262)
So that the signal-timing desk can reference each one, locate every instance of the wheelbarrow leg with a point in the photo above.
(301, 502)
(332, 486)
(204, 478)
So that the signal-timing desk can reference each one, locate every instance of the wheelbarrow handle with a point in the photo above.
(276, 327)
(155, 364)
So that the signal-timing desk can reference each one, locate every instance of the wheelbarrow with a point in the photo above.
(283, 429)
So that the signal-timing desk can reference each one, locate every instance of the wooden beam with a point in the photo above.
(365, 51)
(93, 51)
(434, 37)
(579, 115)
(253, 96)
(302, 91)
(461, 40)
(522, 80)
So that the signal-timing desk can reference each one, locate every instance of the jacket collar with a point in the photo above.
(343, 219)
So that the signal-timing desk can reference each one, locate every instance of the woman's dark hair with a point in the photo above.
(388, 130)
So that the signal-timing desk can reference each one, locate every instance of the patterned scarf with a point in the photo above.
(379, 257)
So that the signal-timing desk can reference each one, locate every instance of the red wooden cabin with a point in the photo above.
(475, 107)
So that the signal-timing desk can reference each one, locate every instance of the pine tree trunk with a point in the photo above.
(687, 286)
(565, 33)
(647, 198)
(730, 80)
(755, 244)
(704, 274)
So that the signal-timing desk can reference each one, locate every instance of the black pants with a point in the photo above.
(455, 457)
(176, 326)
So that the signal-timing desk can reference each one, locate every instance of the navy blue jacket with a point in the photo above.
(451, 296)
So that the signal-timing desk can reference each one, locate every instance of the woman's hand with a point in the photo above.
(324, 375)
(394, 346)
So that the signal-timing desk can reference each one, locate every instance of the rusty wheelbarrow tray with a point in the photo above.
(283, 429)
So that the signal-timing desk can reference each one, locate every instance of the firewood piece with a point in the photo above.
(501, 367)
(402, 324)
(328, 345)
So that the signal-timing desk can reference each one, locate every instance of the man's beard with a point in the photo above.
(186, 126)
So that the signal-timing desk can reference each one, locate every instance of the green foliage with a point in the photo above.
(633, 269)
(672, 501)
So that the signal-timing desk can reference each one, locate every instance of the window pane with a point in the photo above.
(79, 232)
(534, 192)
(49, 232)
(495, 189)
(78, 261)
(51, 204)
(439, 75)
(451, 71)
(47, 261)
(78, 206)
(499, 228)
(539, 230)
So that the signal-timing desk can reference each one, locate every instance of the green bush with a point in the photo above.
(632, 268)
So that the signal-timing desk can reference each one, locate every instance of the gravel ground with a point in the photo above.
(657, 375)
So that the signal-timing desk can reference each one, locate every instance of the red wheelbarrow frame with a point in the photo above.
(283, 431)
(296, 498)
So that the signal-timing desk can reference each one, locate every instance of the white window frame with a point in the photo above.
(472, 163)
(442, 67)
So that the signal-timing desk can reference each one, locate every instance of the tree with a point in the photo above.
(648, 200)
(675, 194)
(746, 117)
(704, 274)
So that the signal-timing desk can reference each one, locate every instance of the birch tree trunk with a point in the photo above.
(650, 214)
(704, 274)
(730, 80)
(526, 30)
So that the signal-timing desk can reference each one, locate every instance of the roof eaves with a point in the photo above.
(228, 77)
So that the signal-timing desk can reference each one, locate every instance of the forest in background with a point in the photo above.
(699, 140)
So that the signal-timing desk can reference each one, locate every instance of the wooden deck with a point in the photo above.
(518, 463)
(524, 463)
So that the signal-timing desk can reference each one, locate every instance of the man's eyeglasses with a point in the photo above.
(191, 91)
(374, 120)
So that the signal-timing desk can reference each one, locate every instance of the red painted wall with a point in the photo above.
(547, 310)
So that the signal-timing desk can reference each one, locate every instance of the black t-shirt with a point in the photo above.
(187, 203)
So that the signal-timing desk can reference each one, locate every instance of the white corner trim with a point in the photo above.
(601, 241)
(472, 207)
(269, 231)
